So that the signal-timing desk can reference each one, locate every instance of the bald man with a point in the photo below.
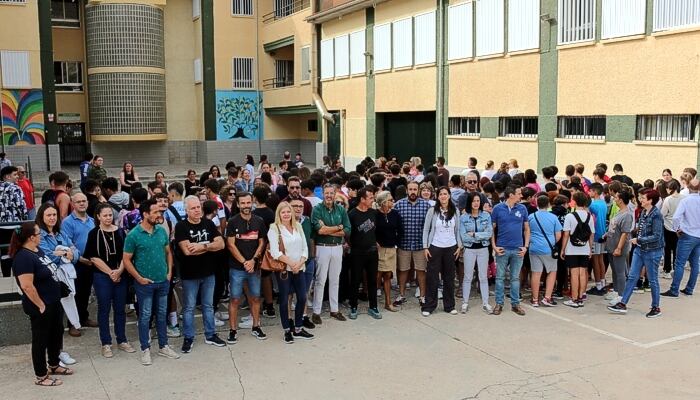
(686, 222)
(76, 226)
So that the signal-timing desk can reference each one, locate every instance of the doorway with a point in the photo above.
(72, 143)
(408, 134)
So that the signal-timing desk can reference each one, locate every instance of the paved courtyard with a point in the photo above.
(555, 353)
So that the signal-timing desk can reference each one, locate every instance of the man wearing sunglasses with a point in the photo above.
(294, 189)
(471, 185)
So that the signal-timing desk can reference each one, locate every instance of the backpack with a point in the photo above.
(50, 195)
(582, 233)
(120, 213)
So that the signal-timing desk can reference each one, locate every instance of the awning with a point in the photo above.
(278, 44)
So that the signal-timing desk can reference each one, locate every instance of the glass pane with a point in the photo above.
(58, 78)
(72, 9)
(57, 9)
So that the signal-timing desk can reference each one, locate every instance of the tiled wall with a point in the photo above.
(37, 155)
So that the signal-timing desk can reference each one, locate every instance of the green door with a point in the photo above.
(334, 137)
(410, 134)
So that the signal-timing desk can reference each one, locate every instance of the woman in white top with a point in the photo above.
(489, 171)
(442, 245)
(294, 255)
(575, 251)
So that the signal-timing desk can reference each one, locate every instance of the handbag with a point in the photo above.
(554, 250)
(268, 262)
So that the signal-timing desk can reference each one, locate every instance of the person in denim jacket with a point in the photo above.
(475, 229)
(650, 248)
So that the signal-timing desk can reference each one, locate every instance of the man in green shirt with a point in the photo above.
(148, 259)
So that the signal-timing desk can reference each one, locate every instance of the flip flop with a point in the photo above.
(59, 370)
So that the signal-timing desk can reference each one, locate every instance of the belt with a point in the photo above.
(329, 244)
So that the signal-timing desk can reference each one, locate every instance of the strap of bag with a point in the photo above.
(543, 232)
(177, 215)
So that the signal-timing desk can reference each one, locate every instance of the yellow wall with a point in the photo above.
(287, 96)
(19, 31)
(495, 87)
(234, 36)
(393, 10)
(184, 98)
(350, 95)
(69, 45)
(67, 102)
(653, 75)
(289, 127)
(406, 90)
(498, 150)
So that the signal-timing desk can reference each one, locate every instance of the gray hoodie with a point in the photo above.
(119, 201)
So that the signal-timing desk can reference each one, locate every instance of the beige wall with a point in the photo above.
(498, 150)
(392, 10)
(234, 36)
(287, 96)
(288, 127)
(653, 75)
(72, 103)
(184, 98)
(494, 87)
(22, 18)
(406, 90)
(349, 94)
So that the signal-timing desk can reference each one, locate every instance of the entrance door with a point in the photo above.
(334, 137)
(409, 134)
(72, 143)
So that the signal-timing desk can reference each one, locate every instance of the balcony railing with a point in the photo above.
(278, 82)
(284, 8)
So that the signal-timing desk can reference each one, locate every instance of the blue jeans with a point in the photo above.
(110, 295)
(152, 295)
(310, 273)
(510, 257)
(649, 259)
(203, 287)
(688, 249)
(236, 279)
(289, 283)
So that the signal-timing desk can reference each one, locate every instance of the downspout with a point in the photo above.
(258, 80)
(316, 96)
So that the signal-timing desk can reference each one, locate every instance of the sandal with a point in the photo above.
(59, 370)
(48, 381)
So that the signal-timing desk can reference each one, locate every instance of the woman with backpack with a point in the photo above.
(105, 246)
(577, 246)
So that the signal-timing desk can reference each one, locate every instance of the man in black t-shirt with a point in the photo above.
(245, 241)
(363, 245)
(197, 239)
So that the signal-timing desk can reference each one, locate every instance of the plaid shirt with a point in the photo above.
(12, 205)
(412, 219)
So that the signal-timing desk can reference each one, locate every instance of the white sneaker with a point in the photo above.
(66, 358)
(418, 292)
(487, 308)
(218, 322)
(666, 275)
(439, 294)
(611, 295)
(425, 314)
(222, 315)
(246, 323)
(465, 308)
(615, 300)
(454, 312)
(379, 292)
(168, 352)
(146, 357)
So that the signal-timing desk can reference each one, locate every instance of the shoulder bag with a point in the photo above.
(554, 250)
(268, 262)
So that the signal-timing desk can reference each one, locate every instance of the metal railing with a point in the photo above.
(284, 8)
(11, 295)
(278, 82)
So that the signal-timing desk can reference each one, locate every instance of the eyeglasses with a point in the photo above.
(294, 187)
(298, 206)
(80, 201)
(471, 182)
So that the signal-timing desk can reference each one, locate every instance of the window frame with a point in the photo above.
(456, 126)
(67, 22)
(64, 75)
(253, 85)
(241, 4)
(9, 57)
(308, 64)
(502, 125)
(562, 20)
(197, 9)
(587, 121)
(693, 131)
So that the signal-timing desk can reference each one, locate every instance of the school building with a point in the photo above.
(207, 81)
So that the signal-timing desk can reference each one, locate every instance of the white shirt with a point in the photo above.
(445, 233)
(570, 225)
(294, 243)
(314, 200)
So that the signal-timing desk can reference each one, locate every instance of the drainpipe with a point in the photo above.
(316, 96)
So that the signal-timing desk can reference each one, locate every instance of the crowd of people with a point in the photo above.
(344, 236)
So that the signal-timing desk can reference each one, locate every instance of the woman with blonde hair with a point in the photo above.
(288, 245)
(427, 192)
(513, 167)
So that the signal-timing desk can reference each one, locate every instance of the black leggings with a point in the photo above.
(671, 240)
(47, 337)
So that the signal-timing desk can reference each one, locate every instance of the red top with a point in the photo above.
(28, 191)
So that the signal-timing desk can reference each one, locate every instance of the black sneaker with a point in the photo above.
(686, 292)
(302, 334)
(269, 311)
(307, 323)
(288, 338)
(618, 308)
(558, 296)
(258, 333)
(669, 294)
(215, 340)
(231, 337)
(654, 312)
(187, 345)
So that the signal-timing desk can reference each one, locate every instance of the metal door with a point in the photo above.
(72, 143)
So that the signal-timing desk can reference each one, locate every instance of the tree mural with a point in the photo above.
(238, 115)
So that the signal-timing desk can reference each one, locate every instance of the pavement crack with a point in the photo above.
(238, 372)
(99, 378)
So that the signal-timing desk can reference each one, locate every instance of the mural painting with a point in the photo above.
(22, 117)
(238, 115)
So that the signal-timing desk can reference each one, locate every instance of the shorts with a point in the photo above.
(387, 259)
(577, 261)
(599, 248)
(406, 258)
(237, 277)
(539, 262)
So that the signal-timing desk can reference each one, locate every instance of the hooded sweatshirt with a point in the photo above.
(120, 204)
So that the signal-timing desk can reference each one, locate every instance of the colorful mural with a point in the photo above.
(22, 117)
(238, 115)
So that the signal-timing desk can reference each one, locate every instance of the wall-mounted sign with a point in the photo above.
(68, 117)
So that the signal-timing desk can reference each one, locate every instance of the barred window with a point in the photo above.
(576, 21)
(65, 13)
(470, 126)
(668, 128)
(242, 7)
(524, 127)
(243, 77)
(582, 127)
(68, 76)
(13, 1)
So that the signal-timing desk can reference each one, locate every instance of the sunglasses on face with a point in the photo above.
(340, 203)
(294, 187)
(471, 182)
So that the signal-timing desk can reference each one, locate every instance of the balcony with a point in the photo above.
(284, 8)
(278, 82)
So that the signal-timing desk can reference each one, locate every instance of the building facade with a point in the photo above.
(207, 81)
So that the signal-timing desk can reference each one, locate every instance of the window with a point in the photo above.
(464, 126)
(459, 26)
(402, 40)
(623, 18)
(305, 64)
(284, 73)
(424, 26)
(312, 125)
(198, 70)
(523, 24)
(525, 127)
(68, 76)
(196, 8)
(576, 21)
(65, 13)
(242, 7)
(489, 27)
(382, 47)
(357, 52)
(668, 128)
(15, 69)
(342, 56)
(676, 14)
(327, 57)
(14, 1)
(588, 127)
(243, 73)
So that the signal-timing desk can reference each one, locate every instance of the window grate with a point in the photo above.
(243, 73)
(284, 73)
(668, 128)
(464, 126)
(576, 21)
(68, 76)
(582, 127)
(242, 7)
(676, 14)
(518, 127)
